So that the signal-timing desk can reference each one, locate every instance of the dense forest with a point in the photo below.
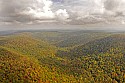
(61, 56)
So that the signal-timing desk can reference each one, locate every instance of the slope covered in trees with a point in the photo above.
(111, 44)
(69, 38)
(15, 68)
(103, 59)
(62, 57)
(25, 44)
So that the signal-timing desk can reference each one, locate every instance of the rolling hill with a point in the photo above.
(16, 68)
(62, 57)
(111, 44)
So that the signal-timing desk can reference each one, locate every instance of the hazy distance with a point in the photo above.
(48, 26)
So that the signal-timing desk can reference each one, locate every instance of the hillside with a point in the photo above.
(18, 68)
(111, 44)
(69, 39)
(26, 44)
(103, 59)
(62, 57)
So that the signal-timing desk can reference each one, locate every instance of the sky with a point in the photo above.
(74, 12)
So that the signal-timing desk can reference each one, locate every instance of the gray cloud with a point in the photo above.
(96, 11)
(75, 11)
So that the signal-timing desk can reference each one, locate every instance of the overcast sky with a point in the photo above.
(62, 11)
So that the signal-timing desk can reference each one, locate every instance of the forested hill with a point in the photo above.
(111, 44)
(15, 67)
(101, 57)
(62, 57)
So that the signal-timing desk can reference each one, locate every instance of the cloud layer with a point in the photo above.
(64, 11)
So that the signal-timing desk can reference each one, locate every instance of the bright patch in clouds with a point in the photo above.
(62, 14)
(45, 12)
(40, 13)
